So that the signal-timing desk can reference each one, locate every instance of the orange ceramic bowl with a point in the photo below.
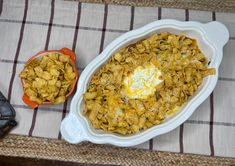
(64, 51)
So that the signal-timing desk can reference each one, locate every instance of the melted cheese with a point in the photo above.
(142, 82)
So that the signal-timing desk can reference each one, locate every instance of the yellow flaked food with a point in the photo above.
(48, 79)
(144, 83)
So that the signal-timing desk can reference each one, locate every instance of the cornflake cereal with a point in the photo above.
(48, 79)
(144, 83)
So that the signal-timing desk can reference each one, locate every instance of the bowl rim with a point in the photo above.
(82, 131)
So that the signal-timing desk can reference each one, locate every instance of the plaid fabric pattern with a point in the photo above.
(29, 26)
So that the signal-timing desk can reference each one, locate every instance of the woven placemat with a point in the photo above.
(41, 148)
(206, 5)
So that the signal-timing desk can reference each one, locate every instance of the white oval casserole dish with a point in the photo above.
(211, 38)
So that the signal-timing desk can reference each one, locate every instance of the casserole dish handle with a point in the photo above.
(72, 130)
(69, 52)
(217, 33)
(30, 103)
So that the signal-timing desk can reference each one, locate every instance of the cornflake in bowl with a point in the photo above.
(49, 77)
(144, 83)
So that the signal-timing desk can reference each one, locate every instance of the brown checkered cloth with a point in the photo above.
(27, 27)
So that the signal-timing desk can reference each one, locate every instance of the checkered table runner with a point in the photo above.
(27, 27)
